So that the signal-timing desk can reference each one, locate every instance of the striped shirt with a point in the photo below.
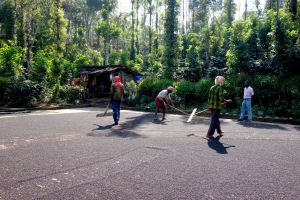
(215, 97)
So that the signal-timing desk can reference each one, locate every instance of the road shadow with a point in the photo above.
(200, 120)
(113, 131)
(124, 130)
(160, 122)
(219, 147)
(261, 125)
(297, 128)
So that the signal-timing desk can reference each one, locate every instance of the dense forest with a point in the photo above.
(184, 43)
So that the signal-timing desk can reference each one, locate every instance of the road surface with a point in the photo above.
(71, 154)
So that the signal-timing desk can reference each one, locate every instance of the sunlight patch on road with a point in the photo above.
(3, 147)
(47, 112)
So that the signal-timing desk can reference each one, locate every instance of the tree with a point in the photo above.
(58, 26)
(133, 48)
(107, 6)
(7, 20)
(171, 39)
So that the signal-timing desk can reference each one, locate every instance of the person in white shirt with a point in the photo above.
(248, 93)
(162, 100)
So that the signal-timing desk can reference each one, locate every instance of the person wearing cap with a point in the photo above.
(162, 100)
(116, 96)
(215, 103)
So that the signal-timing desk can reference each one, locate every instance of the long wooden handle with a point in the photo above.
(179, 110)
(106, 109)
(202, 111)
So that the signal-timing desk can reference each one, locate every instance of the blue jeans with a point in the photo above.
(116, 109)
(246, 104)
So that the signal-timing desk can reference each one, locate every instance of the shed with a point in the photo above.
(98, 79)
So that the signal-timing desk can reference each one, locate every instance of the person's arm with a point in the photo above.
(111, 93)
(225, 101)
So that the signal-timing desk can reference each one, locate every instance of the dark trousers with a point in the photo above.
(116, 109)
(214, 123)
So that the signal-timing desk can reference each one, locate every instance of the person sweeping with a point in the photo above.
(162, 100)
(116, 96)
(215, 103)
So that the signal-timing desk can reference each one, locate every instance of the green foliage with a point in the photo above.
(68, 71)
(171, 39)
(124, 58)
(106, 29)
(202, 89)
(11, 61)
(22, 92)
(114, 58)
(81, 61)
(57, 24)
(42, 63)
(68, 94)
(7, 20)
(150, 87)
(192, 69)
(130, 93)
(185, 90)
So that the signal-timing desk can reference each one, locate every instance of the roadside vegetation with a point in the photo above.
(45, 43)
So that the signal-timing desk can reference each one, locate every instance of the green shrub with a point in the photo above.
(21, 92)
(4, 83)
(185, 90)
(202, 89)
(69, 94)
(10, 61)
(41, 65)
(266, 90)
(130, 93)
(151, 87)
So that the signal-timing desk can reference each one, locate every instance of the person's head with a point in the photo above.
(170, 89)
(219, 80)
(117, 79)
(247, 83)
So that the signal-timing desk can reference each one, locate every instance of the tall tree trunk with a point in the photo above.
(150, 25)
(277, 10)
(156, 28)
(57, 25)
(245, 9)
(20, 23)
(29, 40)
(107, 44)
(132, 51)
(171, 39)
(293, 9)
(137, 27)
(229, 13)
(183, 20)
(144, 25)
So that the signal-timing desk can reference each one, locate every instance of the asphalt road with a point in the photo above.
(71, 154)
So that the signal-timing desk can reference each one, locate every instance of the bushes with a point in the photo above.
(67, 94)
(150, 87)
(23, 93)
(185, 92)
